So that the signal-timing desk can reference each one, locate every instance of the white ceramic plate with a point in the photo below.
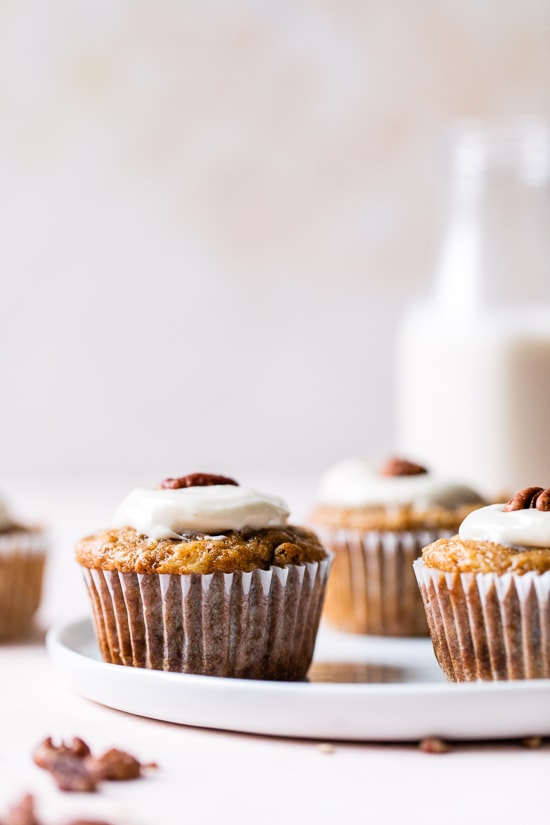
(360, 689)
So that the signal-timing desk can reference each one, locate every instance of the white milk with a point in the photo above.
(473, 364)
(474, 397)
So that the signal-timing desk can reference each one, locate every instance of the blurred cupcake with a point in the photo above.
(377, 522)
(487, 592)
(22, 557)
(204, 576)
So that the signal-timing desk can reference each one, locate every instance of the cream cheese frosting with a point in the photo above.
(515, 528)
(355, 483)
(166, 513)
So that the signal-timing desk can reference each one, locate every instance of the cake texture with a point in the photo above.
(22, 559)
(486, 592)
(376, 521)
(208, 578)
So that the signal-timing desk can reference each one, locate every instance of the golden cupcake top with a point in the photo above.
(199, 524)
(399, 495)
(508, 537)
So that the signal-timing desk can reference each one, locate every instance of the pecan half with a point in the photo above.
(71, 765)
(543, 501)
(119, 765)
(402, 467)
(46, 753)
(73, 774)
(196, 480)
(433, 744)
(529, 498)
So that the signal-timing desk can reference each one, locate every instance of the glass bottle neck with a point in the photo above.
(496, 252)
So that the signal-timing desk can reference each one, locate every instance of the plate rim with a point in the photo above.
(55, 645)
(316, 711)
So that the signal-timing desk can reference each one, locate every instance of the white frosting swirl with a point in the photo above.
(516, 528)
(355, 483)
(168, 513)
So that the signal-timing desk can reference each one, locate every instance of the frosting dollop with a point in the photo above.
(355, 483)
(516, 528)
(167, 513)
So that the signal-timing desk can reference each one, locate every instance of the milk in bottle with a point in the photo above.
(473, 364)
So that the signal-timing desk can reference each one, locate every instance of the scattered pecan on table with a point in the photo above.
(71, 766)
(24, 813)
(74, 768)
(119, 766)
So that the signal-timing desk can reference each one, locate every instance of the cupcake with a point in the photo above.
(204, 576)
(487, 592)
(376, 521)
(22, 558)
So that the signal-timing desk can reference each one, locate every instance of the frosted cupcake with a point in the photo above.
(487, 592)
(376, 521)
(22, 558)
(203, 576)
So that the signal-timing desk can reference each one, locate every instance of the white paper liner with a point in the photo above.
(22, 557)
(486, 626)
(372, 588)
(21, 541)
(257, 625)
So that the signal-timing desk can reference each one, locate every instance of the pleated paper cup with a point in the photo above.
(257, 625)
(372, 588)
(486, 626)
(22, 558)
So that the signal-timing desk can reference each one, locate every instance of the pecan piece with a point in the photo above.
(45, 754)
(119, 765)
(543, 501)
(196, 480)
(532, 742)
(22, 813)
(529, 498)
(433, 744)
(73, 774)
(402, 467)
(88, 822)
(71, 765)
(75, 769)
(286, 553)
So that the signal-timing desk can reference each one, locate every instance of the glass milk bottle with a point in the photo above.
(473, 363)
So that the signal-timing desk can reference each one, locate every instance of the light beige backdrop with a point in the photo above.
(214, 213)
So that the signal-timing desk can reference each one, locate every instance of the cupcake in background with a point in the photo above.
(376, 521)
(204, 576)
(22, 558)
(487, 592)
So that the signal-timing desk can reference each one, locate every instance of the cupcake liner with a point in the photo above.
(257, 625)
(486, 626)
(22, 558)
(372, 588)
